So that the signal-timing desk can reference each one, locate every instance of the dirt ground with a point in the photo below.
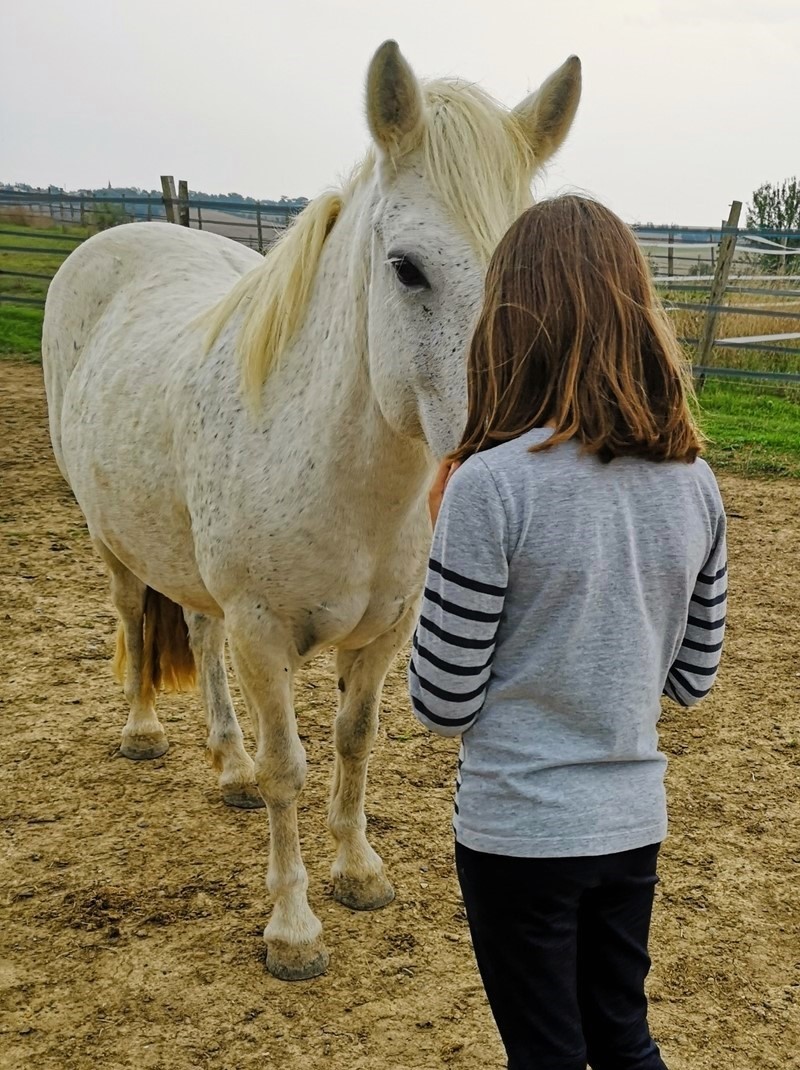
(132, 901)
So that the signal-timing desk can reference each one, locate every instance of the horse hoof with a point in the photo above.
(244, 797)
(370, 894)
(143, 748)
(296, 962)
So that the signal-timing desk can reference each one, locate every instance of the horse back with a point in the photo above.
(135, 267)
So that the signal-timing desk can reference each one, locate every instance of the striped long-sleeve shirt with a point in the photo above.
(563, 597)
(694, 670)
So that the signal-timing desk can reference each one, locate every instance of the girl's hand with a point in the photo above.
(443, 476)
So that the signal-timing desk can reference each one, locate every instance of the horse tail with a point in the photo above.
(167, 659)
(120, 662)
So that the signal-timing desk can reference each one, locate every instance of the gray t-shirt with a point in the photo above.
(563, 597)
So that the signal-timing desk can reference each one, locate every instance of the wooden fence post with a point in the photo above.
(258, 224)
(671, 254)
(727, 247)
(183, 203)
(169, 197)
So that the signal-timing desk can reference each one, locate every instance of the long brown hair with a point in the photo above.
(572, 335)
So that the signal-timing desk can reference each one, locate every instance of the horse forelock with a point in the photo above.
(478, 160)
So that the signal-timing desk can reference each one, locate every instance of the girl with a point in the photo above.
(578, 571)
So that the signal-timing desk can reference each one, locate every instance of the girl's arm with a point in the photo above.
(695, 669)
(464, 593)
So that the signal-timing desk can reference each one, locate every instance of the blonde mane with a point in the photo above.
(479, 162)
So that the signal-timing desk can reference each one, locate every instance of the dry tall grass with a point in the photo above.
(19, 216)
(688, 323)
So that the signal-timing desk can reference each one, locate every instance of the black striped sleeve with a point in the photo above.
(694, 670)
(454, 642)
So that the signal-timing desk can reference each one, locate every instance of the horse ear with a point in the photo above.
(547, 114)
(394, 102)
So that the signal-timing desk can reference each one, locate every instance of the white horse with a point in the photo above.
(251, 442)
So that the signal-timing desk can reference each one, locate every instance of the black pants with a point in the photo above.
(561, 945)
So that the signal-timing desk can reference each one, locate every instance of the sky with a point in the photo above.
(687, 104)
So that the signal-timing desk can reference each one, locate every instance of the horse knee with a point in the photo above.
(281, 776)
(356, 729)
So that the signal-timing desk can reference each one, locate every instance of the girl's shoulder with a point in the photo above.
(515, 454)
(701, 473)
(510, 470)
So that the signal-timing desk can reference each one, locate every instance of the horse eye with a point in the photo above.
(408, 274)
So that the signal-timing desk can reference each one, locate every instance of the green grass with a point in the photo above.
(21, 325)
(753, 430)
(21, 332)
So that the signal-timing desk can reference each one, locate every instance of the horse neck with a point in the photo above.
(348, 425)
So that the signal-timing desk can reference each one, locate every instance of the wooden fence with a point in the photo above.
(253, 223)
(706, 265)
(746, 263)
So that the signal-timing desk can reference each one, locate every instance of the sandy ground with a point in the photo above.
(132, 901)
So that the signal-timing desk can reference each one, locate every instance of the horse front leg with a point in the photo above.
(264, 668)
(225, 740)
(359, 881)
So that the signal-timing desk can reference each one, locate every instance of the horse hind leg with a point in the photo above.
(225, 741)
(143, 736)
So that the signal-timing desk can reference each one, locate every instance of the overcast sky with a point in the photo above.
(687, 104)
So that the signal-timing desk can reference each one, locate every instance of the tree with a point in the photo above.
(775, 207)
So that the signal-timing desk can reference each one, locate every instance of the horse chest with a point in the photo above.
(351, 624)
(350, 602)
(335, 587)
(334, 565)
